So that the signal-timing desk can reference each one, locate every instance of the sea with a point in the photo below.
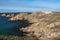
(8, 27)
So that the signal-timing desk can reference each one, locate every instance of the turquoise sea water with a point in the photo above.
(8, 27)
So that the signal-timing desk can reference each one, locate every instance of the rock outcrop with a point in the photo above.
(3, 15)
(44, 27)
(7, 15)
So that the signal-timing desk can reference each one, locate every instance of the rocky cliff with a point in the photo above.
(43, 27)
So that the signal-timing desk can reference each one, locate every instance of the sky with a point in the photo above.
(29, 5)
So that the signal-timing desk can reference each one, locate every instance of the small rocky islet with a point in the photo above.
(7, 15)
(39, 25)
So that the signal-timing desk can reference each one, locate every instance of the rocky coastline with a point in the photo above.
(42, 26)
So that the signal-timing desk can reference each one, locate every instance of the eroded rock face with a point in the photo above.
(44, 27)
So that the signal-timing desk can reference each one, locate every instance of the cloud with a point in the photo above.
(31, 5)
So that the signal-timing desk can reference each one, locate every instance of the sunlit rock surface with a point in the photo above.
(3, 15)
(44, 27)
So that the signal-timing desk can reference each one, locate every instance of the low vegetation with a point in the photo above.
(4, 37)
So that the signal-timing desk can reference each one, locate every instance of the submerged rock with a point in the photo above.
(44, 27)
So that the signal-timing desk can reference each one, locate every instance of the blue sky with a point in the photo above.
(30, 5)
